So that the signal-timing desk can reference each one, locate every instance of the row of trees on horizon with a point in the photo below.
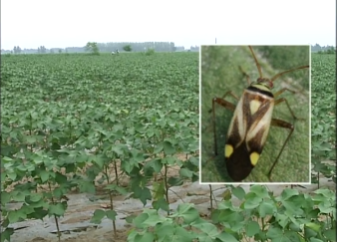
(133, 46)
(105, 47)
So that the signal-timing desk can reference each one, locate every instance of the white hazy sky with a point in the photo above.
(61, 23)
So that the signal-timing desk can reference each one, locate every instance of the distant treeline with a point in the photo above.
(318, 48)
(135, 47)
(106, 47)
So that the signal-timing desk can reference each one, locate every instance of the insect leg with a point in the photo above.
(276, 94)
(281, 124)
(225, 104)
(278, 101)
(230, 93)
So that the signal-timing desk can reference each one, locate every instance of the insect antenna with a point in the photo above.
(280, 74)
(256, 62)
(277, 75)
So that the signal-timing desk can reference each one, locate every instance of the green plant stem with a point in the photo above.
(30, 130)
(166, 186)
(111, 199)
(113, 221)
(211, 196)
(56, 220)
(116, 173)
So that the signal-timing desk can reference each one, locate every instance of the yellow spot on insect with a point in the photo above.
(254, 106)
(228, 150)
(254, 157)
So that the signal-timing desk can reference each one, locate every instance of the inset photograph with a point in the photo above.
(255, 114)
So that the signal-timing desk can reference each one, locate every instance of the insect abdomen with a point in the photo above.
(248, 132)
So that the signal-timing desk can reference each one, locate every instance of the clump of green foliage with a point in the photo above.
(127, 48)
(92, 48)
(150, 51)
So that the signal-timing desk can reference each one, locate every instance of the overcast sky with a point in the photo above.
(61, 23)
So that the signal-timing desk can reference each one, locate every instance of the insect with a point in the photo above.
(250, 124)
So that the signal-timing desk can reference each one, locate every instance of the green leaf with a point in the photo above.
(169, 160)
(118, 150)
(261, 236)
(267, 208)
(19, 196)
(114, 187)
(60, 178)
(326, 207)
(139, 220)
(313, 226)
(6, 234)
(111, 214)
(153, 219)
(288, 193)
(282, 219)
(13, 216)
(44, 175)
(228, 205)
(252, 228)
(251, 201)
(210, 229)
(227, 216)
(130, 218)
(315, 240)
(159, 148)
(168, 148)
(239, 192)
(165, 230)
(142, 193)
(5, 197)
(31, 140)
(175, 181)
(326, 193)
(188, 212)
(99, 214)
(35, 197)
(161, 203)
(259, 190)
(39, 213)
(226, 237)
(86, 186)
(144, 237)
(184, 172)
(227, 195)
(12, 175)
(155, 164)
(98, 160)
(290, 236)
(182, 235)
(57, 209)
(274, 233)
(309, 232)
(295, 227)
(330, 234)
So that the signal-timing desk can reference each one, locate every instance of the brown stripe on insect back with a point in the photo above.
(234, 137)
(255, 144)
(258, 120)
(261, 111)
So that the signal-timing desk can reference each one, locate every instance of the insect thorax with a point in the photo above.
(260, 88)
